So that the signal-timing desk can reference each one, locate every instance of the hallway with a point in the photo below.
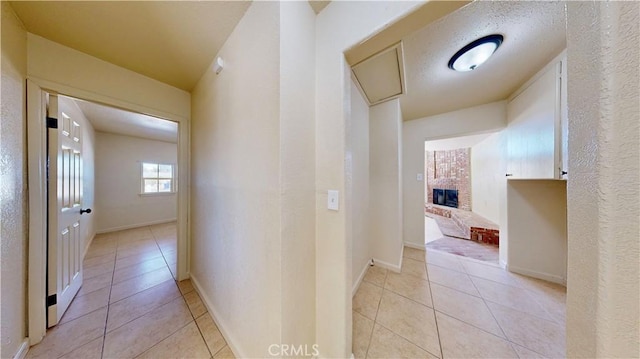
(130, 305)
(449, 306)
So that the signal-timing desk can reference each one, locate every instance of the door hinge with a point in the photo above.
(52, 300)
(52, 122)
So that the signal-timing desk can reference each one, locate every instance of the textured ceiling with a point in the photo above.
(171, 41)
(121, 122)
(534, 32)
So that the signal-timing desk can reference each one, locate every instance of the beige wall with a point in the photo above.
(339, 26)
(479, 119)
(235, 185)
(488, 167)
(253, 181)
(537, 212)
(118, 161)
(603, 313)
(385, 193)
(359, 161)
(13, 189)
(95, 79)
(297, 172)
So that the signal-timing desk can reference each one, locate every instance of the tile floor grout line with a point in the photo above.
(435, 317)
(475, 326)
(89, 341)
(202, 335)
(407, 339)
(544, 307)
(145, 313)
(386, 275)
(163, 339)
(106, 320)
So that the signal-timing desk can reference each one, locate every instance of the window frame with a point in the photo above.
(158, 178)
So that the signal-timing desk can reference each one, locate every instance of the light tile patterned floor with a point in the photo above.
(130, 305)
(448, 306)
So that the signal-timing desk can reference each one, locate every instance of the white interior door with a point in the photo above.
(64, 262)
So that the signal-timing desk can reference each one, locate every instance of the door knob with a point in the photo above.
(83, 211)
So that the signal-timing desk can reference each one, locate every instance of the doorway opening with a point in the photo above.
(127, 228)
(460, 196)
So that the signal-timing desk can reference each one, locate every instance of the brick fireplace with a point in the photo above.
(450, 170)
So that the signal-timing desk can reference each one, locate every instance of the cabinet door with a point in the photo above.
(533, 132)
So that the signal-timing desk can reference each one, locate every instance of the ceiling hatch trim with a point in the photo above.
(381, 77)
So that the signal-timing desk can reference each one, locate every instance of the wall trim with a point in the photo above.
(416, 246)
(137, 225)
(392, 267)
(231, 342)
(22, 351)
(544, 276)
(356, 285)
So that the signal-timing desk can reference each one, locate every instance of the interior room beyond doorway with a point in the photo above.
(452, 176)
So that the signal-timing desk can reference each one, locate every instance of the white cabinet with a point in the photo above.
(535, 135)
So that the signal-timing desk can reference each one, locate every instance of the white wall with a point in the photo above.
(537, 212)
(235, 185)
(13, 188)
(385, 194)
(479, 119)
(488, 168)
(339, 26)
(297, 172)
(360, 217)
(603, 303)
(119, 204)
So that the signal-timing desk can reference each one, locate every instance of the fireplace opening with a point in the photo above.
(445, 197)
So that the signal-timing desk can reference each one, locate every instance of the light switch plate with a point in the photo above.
(419, 177)
(333, 202)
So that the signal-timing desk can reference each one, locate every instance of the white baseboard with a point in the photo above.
(131, 226)
(356, 285)
(22, 351)
(544, 276)
(422, 246)
(231, 342)
(392, 267)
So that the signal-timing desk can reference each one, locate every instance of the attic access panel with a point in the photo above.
(381, 76)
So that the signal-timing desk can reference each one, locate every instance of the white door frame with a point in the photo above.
(37, 182)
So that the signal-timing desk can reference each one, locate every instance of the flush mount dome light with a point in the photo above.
(475, 54)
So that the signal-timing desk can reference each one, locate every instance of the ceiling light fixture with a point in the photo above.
(476, 53)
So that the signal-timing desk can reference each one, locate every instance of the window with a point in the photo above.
(157, 178)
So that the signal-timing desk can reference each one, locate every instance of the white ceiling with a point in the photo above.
(171, 41)
(113, 120)
(534, 32)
